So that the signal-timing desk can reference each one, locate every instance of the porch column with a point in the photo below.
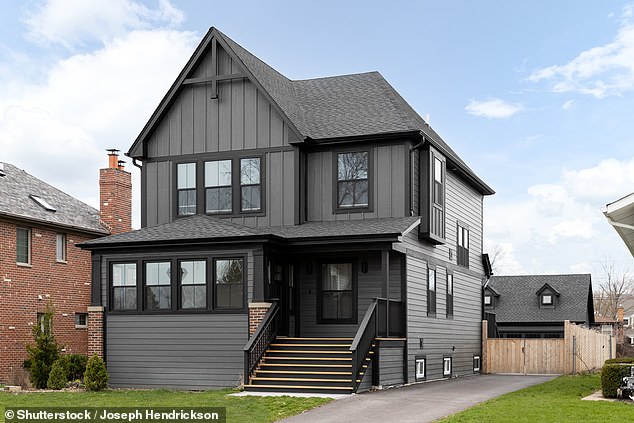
(95, 331)
(385, 273)
(258, 275)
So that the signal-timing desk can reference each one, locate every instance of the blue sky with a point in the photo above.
(537, 97)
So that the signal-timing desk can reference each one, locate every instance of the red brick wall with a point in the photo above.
(115, 194)
(256, 314)
(67, 285)
(95, 331)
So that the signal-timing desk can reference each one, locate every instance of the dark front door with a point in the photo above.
(282, 287)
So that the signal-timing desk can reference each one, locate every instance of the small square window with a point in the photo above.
(446, 368)
(488, 300)
(547, 299)
(626, 321)
(81, 320)
(476, 363)
(420, 368)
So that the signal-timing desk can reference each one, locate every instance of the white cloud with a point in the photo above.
(599, 71)
(58, 127)
(73, 23)
(493, 109)
(568, 105)
(560, 221)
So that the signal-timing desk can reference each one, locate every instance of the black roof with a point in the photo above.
(336, 107)
(518, 300)
(205, 228)
(25, 197)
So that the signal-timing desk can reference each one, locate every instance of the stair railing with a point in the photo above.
(260, 340)
(362, 342)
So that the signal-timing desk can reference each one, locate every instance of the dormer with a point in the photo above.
(490, 298)
(548, 296)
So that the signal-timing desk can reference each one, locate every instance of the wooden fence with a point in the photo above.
(580, 350)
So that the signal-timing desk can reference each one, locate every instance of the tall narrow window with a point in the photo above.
(432, 196)
(186, 187)
(250, 185)
(23, 246)
(352, 179)
(158, 289)
(218, 192)
(463, 246)
(193, 279)
(124, 287)
(449, 295)
(446, 366)
(421, 368)
(431, 292)
(229, 283)
(337, 292)
(60, 247)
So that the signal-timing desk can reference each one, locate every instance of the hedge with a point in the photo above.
(612, 378)
(620, 360)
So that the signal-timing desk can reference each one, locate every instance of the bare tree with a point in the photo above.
(615, 285)
(495, 257)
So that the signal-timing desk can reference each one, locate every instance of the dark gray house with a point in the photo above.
(536, 306)
(312, 235)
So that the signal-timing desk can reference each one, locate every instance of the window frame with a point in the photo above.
(420, 359)
(462, 250)
(447, 359)
(550, 301)
(179, 285)
(29, 242)
(111, 287)
(433, 213)
(336, 208)
(230, 186)
(241, 186)
(145, 286)
(449, 309)
(214, 305)
(490, 298)
(78, 324)
(320, 291)
(195, 189)
(477, 359)
(64, 247)
(431, 293)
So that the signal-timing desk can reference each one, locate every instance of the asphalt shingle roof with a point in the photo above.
(518, 301)
(208, 228)
(16, 188)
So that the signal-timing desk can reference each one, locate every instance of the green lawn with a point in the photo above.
(556, 401)
(239, 409)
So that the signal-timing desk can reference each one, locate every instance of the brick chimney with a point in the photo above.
(620, 313)
(115, 195)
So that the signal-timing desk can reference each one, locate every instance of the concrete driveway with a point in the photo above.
(425, 402)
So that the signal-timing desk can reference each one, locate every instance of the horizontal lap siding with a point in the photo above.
(368, 288)
(458, 337)
(391, 365)
(193, 351)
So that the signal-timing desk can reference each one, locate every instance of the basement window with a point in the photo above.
(43, 203)
(476, 363)
(421, 368)
(446, 367)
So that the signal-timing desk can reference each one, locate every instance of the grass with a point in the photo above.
(556, 401)
(239, 409)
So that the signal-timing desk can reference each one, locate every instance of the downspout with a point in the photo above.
(412, 149)
(134, 162)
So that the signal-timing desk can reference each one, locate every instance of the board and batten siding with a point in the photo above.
(458, 336)
(389, 183)
(368, 287)
(184, 351)
(278, 186)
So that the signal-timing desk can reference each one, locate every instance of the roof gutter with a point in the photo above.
(54, 225)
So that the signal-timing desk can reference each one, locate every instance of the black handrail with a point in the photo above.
(362, 342)
(260, 341)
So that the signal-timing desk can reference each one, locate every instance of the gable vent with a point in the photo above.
(43, 203)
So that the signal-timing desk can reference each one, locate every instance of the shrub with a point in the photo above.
(57, 378)
(620, 360)
(75, 365)
(612, 378)
(96, 377)
(45, 352)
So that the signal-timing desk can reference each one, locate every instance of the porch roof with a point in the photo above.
(212, 229)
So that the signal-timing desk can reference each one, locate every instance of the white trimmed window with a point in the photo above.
(446, 366)
(420, 368)
(476, 363)
(60, 247)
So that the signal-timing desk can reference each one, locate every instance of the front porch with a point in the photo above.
(329, 319)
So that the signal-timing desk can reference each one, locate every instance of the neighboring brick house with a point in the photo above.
(40, 227)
